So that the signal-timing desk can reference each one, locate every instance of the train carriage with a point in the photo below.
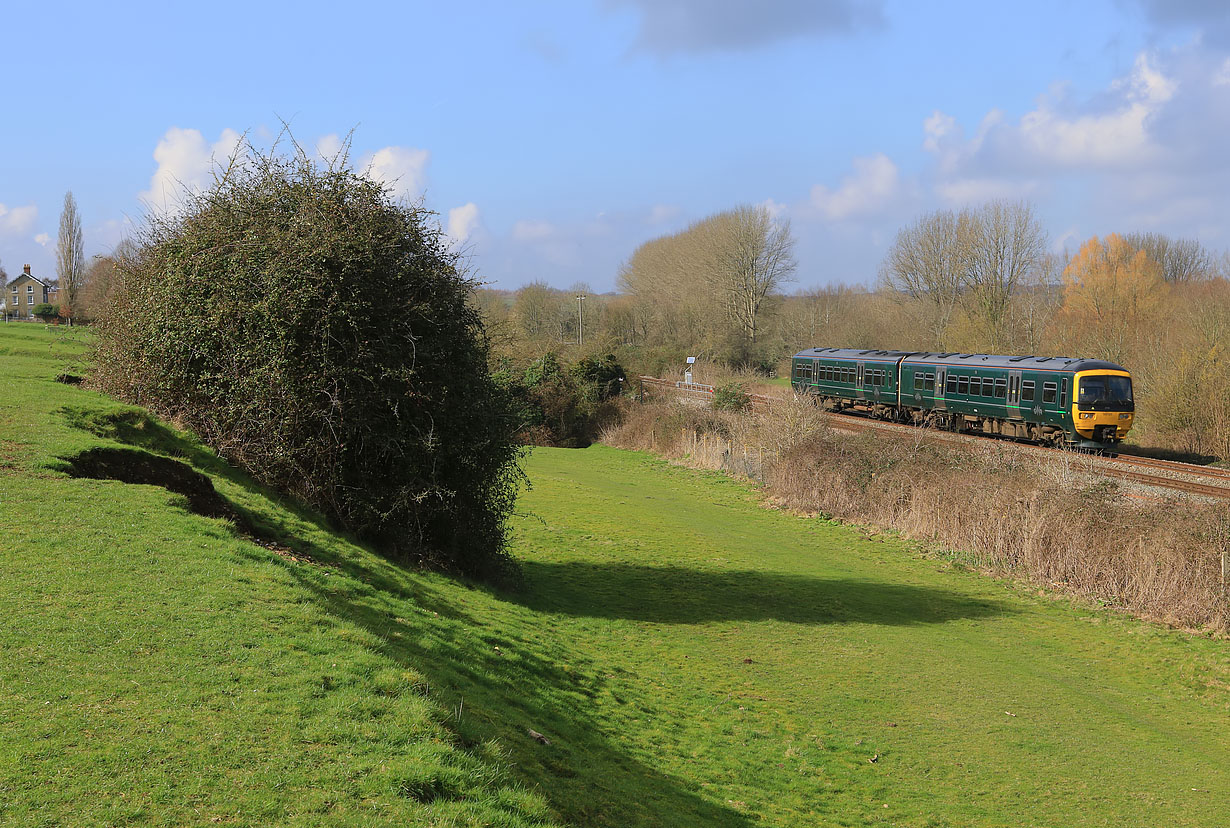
(1058, 400)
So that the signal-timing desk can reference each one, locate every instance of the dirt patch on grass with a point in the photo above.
(140, 467)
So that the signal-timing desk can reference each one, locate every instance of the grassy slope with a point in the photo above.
(696, 660)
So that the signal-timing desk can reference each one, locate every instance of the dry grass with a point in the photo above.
(1048, 520)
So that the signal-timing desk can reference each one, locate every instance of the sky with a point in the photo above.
(553, 138)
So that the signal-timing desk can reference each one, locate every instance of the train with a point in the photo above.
(1060, 401)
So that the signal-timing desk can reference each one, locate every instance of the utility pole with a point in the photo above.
(581, 319)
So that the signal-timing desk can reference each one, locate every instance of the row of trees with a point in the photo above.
(982, 279)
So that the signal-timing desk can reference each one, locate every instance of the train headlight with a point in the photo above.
(1086, 415)
(1125, 416)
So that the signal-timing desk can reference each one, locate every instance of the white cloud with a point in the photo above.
(401, 169)
(186, 162)
(17, 221)
(962, 191)
(462, 222)
(1116, 137)
(43, 238)
(663, 213)
(1222, 77)
(775, 208)
(871, 187)
(328, 146)
(1113, 131)
(528, 230)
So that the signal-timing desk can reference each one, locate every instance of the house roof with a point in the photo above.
(21, 276)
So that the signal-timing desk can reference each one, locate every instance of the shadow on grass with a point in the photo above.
(675, 595)
(505, 676)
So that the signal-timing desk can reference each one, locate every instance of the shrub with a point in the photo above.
(604, 375)
(322, 336)
(731, 397)
(46, 312)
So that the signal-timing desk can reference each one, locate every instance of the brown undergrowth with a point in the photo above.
(1046, 519)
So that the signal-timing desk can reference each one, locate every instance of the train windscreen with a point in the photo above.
(1105, 393)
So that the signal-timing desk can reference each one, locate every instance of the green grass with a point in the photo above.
(695, 659)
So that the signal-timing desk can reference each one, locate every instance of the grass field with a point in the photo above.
(693, 658)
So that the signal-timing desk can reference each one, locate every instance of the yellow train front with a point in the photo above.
(1060, 401)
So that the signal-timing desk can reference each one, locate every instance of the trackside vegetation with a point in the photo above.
(322, 336)
(688, 657)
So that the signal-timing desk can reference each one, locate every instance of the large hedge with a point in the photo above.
(322, 336)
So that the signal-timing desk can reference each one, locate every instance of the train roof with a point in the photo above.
(1016, 363)
(1028, 363)
(855, 353)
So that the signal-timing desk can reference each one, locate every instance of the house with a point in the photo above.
(25, 292)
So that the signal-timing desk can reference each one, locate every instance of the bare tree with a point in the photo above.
(926, 264)
(707, 288)
(1181, 260)
(1007, 245)
(754, 257)
(70, 257)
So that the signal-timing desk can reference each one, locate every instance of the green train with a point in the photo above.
(1079, 403)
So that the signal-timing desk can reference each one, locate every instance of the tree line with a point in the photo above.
(980, 279)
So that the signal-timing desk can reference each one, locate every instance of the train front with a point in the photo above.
(1102, 407)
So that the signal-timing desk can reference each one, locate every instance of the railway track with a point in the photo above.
(1187, 478)
(1211, 482)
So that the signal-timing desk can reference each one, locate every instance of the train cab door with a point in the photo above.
(858, 381)
(1014, 393)
(941, 380)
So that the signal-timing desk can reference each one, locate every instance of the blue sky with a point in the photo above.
(554, 137)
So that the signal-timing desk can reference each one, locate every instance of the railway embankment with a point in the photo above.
(1054, 518)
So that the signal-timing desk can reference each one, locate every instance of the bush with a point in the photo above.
(322, 337)
(561, 405)
(731, 397)
(605, 376)
(46, 312)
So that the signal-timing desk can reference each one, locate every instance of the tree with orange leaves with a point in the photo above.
(1113, 292)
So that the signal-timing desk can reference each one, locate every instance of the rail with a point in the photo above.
(1210, 482)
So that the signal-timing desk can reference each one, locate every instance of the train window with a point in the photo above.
(1001, 388)
(1063, 392)
(963, 385)
(880, 377)
(1027, 390)
(975, 386)
(917, 383)
(1048, 392)
(952, 384)
(929, 383)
